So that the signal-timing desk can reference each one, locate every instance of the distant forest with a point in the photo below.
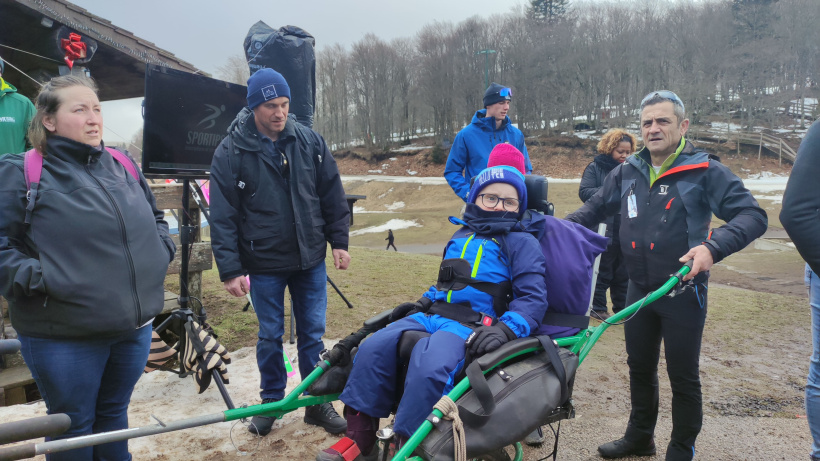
(743, 60)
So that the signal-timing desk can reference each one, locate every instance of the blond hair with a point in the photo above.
(610, 140)
(47, 103)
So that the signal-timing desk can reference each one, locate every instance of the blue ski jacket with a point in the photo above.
(471, 150)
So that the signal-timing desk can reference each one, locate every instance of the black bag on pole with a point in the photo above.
(518, 397)
(289, 51)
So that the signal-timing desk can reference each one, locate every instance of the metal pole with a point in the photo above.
(486, 75)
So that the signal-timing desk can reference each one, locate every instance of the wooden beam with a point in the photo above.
(169, 196)
(202, 259)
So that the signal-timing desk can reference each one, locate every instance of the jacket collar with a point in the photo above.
(688, 158)
(488, 123)
(72, 151)
(245, 136)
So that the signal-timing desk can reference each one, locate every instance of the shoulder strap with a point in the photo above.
(123, 159)
(33, 169)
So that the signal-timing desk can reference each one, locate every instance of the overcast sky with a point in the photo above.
(206, 32)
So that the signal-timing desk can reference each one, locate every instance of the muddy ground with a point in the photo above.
(753, 365)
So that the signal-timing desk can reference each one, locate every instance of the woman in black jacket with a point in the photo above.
(613, 148)
(83, 266)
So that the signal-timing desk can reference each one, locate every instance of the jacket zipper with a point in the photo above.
(128, 256)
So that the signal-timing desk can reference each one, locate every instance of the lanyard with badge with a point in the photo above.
(632, 203)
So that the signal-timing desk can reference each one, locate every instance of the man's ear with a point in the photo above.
(684, 126)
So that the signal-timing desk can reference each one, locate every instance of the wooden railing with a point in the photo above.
(773, 143)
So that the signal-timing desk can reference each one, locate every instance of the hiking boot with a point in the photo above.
(344, 449)
(622, 448)
(600, 315)
(325, 415)
(261, 425)
(535, 438)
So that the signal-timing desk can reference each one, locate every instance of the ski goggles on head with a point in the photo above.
(663, 94)
(505, 93)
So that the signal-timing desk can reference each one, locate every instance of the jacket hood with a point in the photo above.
(6, 87)
(606, 162)
(481, 120)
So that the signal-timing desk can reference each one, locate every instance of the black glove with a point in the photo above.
(404, 309)
(487, 339)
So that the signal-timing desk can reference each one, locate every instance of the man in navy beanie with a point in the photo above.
(471, 148)
(276, 202)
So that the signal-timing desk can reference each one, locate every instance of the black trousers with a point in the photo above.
(612, 276)
(678, 322)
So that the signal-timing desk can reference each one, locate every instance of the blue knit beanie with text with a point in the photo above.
(264, 85)
(501, 173)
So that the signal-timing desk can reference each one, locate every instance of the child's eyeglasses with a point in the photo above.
(491, 200)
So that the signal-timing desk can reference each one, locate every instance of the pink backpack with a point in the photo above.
(33, 169)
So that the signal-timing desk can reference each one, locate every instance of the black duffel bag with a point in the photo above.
(508, 403)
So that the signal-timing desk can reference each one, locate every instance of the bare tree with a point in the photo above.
(235, 70)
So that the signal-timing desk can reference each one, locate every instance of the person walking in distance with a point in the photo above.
(666, 194)
(276, 203)
(390, 239)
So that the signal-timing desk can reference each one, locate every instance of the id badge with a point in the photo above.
(631, 206)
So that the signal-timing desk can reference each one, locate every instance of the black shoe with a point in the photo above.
(535, 438)
(261, 425)
(622, 448)
(325, 415)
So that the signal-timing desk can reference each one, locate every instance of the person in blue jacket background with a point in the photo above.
(488, 247)
(471, 148)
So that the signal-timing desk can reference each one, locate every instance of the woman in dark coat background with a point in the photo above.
(613, 148)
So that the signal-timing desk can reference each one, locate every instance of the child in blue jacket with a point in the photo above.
(491, 278)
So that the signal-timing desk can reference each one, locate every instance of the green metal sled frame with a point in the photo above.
(580, 344)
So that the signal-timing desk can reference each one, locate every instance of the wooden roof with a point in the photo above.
(118, 65)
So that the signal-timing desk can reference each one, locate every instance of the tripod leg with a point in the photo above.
(221, 386)
(339, 292)
(292, 323)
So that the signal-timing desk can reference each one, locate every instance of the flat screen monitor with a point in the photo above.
(186, 117)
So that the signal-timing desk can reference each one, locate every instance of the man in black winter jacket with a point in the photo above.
(276, 202)
(801, 219)
(666, 194)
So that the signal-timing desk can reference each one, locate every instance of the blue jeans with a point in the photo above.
(308, 288)
(90, 380)
(813, 383)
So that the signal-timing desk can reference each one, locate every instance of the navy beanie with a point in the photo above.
(266, 84)
(501, 173)
(493, 94)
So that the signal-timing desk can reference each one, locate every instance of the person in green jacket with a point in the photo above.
(16, 112)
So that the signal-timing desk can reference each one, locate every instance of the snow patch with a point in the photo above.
(411, 172)
(395, 206)
(409, 149)
(393, 224)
